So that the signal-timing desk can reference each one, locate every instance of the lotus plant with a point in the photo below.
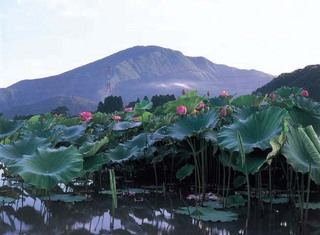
(224, 93)
(86, 116)
(181, 110)
(116, 118)
(304, 93)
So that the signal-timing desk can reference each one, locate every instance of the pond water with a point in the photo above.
(141, 214)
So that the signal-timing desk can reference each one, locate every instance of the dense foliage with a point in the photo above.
(307, 78)
(191, 139)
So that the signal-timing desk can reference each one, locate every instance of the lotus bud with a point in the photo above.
(272, 96)
(223, 112)
(183, 92)
(128, 109)
(304, 93)
(135, 119)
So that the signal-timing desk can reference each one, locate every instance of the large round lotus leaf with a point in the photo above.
(121, 126)
(192, 125)
(302, 151)
(93, 163)
(8, 128)
(40, 122)
(256, 131)
(244, 112)
(47, 167)
(11, 153)
(91, 148)
(69, 134)
(140, 141)
(190, 100)
(305, 112)
(121, 153)
(248, 100)
(286, 92)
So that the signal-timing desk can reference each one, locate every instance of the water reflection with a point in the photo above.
(152, 215)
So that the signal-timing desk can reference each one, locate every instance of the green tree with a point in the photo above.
(110, 104)
(60, 110)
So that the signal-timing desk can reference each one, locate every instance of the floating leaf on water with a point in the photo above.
(311, 205)
(65, 198)
(4, 200)
(235, 200)
(281, 199)
(208, 214)
(213, 204)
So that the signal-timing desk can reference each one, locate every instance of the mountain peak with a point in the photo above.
(134, 73)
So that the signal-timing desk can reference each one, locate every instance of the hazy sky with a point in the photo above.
(40, 38)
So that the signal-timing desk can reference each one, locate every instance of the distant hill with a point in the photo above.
(134, 73)
(307, 78)
(74, 104)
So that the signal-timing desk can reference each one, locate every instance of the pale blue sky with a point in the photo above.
(40, 38)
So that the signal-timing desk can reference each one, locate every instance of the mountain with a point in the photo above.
(134, 73)
(307, 78)
(74, 104)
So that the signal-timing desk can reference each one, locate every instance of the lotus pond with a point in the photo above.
(195, 165)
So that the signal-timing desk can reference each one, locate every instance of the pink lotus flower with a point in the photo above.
(181, 110)
(291, 95)
(183, 92)
(116, 118)
(272, 96)
(135, 119)
(129, 109)
(224, 93)
(304, 93)
(86, 116)
(201, 106)
(223, 112)
(43, 120)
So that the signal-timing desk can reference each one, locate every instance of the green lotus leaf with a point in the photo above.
(235, 200)
(140, 141)
(91, 148)
(305, 112)
(40, 122)
(93, 163)
(311, 205)
(6, 200)
(301, 150)
(219, 101)
(207, 214)
(248, 100)
(47, 167)
(121, 126)
(143, 104)
(256, 131)
(193, 125)
(68, 198)
(286, 92)
(184, 171)
(7, 128)
(121, 153)
(190, 101)
(244, 112)
(72, 133)
(12, 153)
(254, 161)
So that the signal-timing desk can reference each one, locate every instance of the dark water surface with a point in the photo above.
(153, 215)
(139, 214)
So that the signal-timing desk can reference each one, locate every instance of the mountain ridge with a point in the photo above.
(134, 73)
